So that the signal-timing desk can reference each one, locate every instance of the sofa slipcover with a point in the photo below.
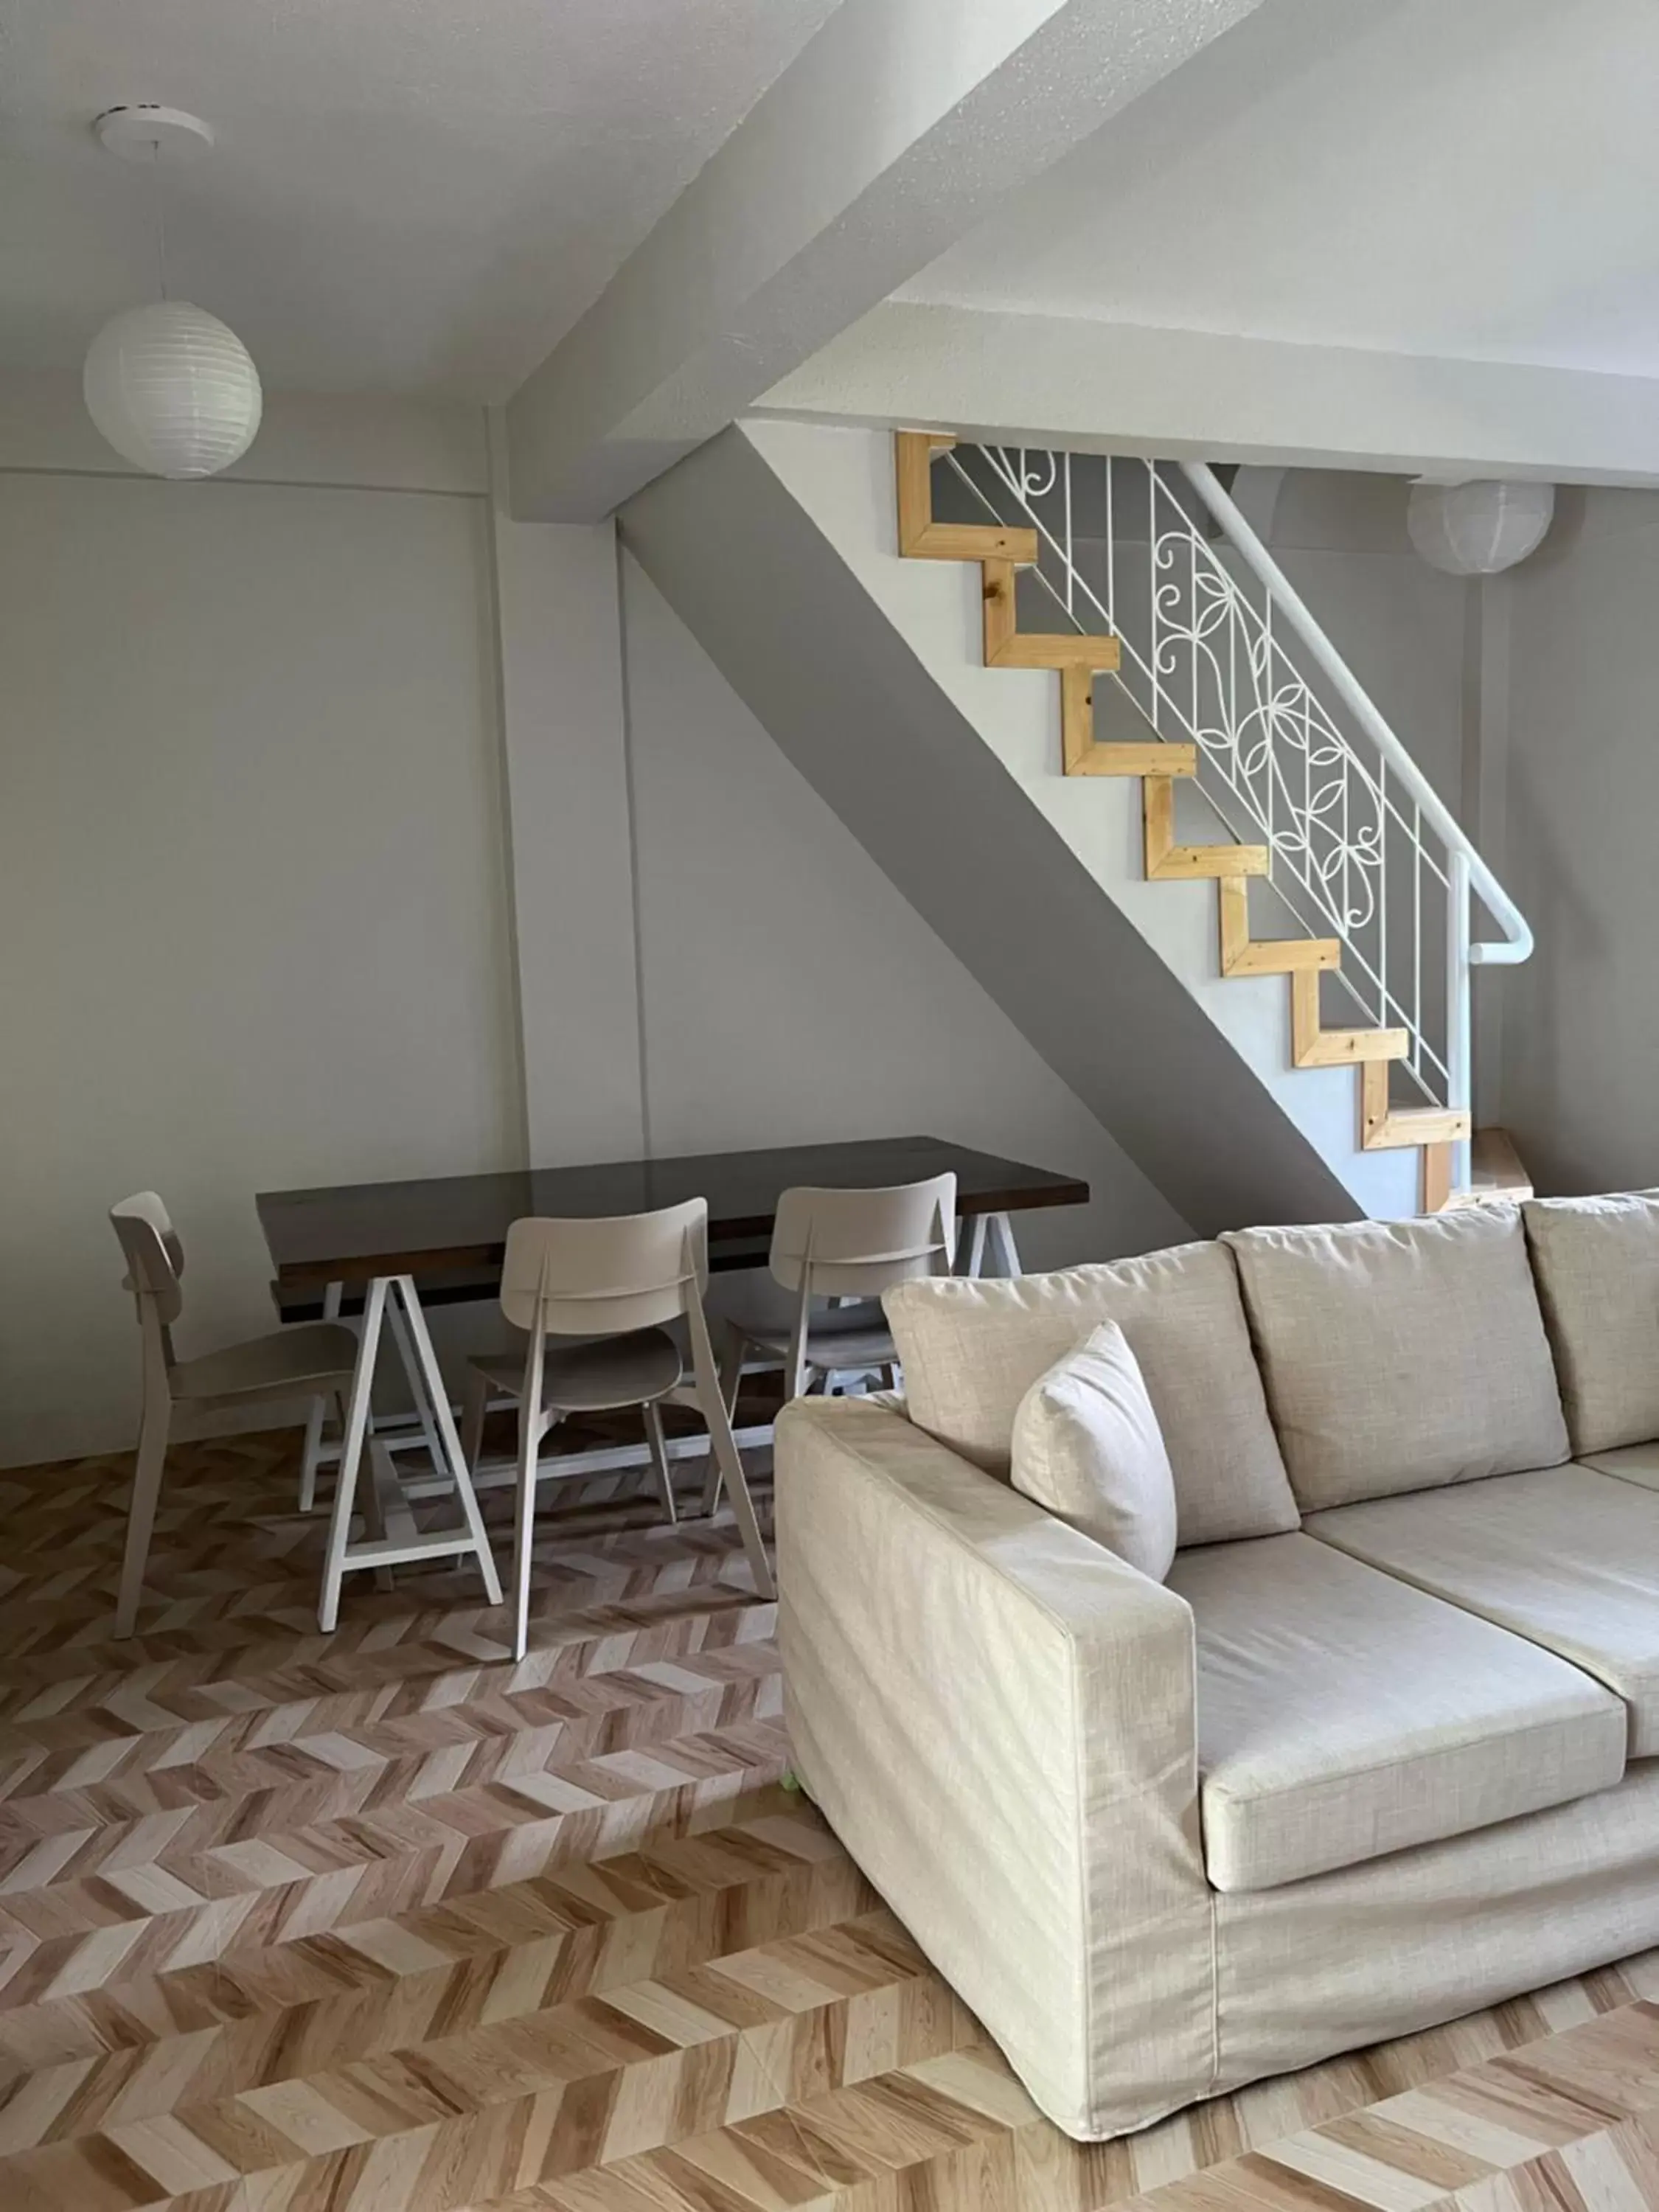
(1395, 1945)
(971, 1348)
(1596, 1262)
(996, 1716)
(1343, 1714)
(1401, 1354)
(1566, 1557)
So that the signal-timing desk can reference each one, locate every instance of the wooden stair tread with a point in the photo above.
(1153, 758)
(1244, 955)
(1384, 1127)
(1415, 1125)
(1496, 1175)
(1058, 649)
(1179, 862)
(921, 539)
(1353, 1049)
(1167, 861)
(971, 541)
(1312, 1045)
(1289, 956)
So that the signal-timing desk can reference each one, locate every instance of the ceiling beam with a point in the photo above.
(897, 128)
(1112, 387)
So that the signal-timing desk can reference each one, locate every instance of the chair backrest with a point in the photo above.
(857, 1243)
(155, 1257)
(603, 1278)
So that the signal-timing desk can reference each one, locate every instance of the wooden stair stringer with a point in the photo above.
(1078, 659)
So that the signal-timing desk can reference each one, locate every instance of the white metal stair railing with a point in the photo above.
(1220, 650)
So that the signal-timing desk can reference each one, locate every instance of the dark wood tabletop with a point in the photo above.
(456, 1226)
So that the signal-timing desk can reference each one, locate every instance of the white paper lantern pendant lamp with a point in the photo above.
(1480, 528)
(172, 388)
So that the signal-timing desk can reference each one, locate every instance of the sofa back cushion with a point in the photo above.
(972, 1348)
(1401, 1355)
(1597, 1263)
(1087, 1447)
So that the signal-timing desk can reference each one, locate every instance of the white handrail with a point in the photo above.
(1516, 942)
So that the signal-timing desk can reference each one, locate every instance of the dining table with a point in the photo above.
(381, 1254)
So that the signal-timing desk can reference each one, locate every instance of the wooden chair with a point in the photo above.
(313, 1361)
(618, 1283)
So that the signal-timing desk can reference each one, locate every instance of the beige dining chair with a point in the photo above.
(311, 1361)
(838, 1251)
(616, 1283)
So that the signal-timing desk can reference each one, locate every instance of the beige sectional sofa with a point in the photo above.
(1383, 1748)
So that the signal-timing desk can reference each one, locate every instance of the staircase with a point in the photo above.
(1171, 599)
(1226, 908)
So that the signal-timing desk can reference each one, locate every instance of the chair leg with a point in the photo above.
(724, 1451)
(382, 1484)
(313, 1449)
(653, 1436)
(733, 1345)
(475, 1404)
(524, 1521)
(141, 1514)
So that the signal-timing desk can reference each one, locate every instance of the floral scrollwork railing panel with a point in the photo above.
(1124, 547)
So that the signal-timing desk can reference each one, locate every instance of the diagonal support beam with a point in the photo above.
(897, 128)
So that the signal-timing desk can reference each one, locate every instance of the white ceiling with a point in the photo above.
(1477, 179)
(407, 194)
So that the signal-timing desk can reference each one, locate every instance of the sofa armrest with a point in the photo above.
(996, 1716)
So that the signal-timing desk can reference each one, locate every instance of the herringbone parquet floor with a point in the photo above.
(381, 1921)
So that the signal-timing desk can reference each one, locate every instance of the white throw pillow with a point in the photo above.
(1087, 1447)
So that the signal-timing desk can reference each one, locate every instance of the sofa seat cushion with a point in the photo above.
(972, 1348)
(1399, 1354)
(1637, 1463)
(1596, 1262)
(1343, 1714)
(1567, 1557)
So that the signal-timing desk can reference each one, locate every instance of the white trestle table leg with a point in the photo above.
(399, 1543)
(1006, 1260)
(351, 1454)
(971, 1261)
(437, 1394)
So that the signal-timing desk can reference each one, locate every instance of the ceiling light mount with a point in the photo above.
(140, 130)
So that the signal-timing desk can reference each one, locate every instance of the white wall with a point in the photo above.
(1581, 1023)
(277, 752)
(252, 882)
(792, 995)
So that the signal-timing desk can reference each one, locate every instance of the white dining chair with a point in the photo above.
(616, 1283)
(314, 1360)
(837, 1251)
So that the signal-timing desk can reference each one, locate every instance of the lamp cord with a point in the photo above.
(161, 214)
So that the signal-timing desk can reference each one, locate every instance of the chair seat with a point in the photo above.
(595, 1377)
(1566, 1556)
(320, 1356)
(852, 1335)
(1343, 1714)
